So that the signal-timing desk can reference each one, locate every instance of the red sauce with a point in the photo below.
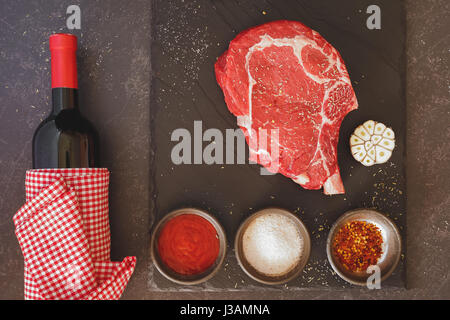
(188, 244)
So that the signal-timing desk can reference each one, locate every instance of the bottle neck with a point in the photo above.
(64, 99)
(63, 49)
(64, 61)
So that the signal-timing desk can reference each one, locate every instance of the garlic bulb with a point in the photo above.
(372, 143)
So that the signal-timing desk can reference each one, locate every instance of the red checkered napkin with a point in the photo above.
(63, 231)
(91, 188)
(50, 233)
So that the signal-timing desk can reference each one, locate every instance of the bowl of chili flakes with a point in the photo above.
(362, 242)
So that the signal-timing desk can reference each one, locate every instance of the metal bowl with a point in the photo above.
(181, 278)
(261, 277)
(391, 245)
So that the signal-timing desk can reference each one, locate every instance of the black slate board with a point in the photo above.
(188, 36)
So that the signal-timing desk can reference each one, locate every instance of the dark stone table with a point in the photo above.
(114, 73)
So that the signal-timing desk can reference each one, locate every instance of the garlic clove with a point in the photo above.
(371, 153)
(360, 155)
(362, 133)
(387, 143)
(376, 139)
(368, 161)
(382, 154)
(368, 145)
(369, 125)
(354, 140)
(389, 134)
(357, 149)
(379, 128)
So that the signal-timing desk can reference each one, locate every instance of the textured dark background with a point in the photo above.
(114, 68)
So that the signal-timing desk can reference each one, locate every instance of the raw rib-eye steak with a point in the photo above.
(286, 79)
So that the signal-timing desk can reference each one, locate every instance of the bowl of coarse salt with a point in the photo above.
(272, 246)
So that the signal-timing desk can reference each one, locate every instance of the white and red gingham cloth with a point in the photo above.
(63, 231)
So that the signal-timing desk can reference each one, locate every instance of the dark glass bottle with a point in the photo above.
(65, 139)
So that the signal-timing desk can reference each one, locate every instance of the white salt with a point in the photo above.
(272, 244)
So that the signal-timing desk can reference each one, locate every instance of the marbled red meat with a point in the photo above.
(283, 75)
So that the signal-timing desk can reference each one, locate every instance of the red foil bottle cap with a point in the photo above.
(63, 49)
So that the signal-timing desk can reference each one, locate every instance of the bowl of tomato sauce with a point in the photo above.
(188, 246)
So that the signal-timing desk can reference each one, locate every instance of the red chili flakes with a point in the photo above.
(357, 245)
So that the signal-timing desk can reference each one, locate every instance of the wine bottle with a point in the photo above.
(65, 139)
